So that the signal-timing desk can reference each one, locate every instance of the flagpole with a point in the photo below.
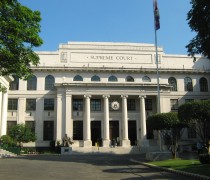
(158, 85)
(157, 69)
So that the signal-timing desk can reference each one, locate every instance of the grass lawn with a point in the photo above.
(193, 166)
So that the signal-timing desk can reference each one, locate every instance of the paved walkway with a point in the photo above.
(90, 167)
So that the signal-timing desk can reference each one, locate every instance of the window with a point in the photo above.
(95, 78)
(129, 79)
(95, 105)
(172, 82)
(49, 82)
(78, 104)
(49, 104)
(203, 85)
(174, 104)
(14, 85)
(78, 78)
(32, 83)
(30, 104)
(78, 130)
(112, 78)
(188, 86)
(31, 125)
(148, 104)
(131, 104)
(12, 104)
(10, 125)
(48, 129)
(146, 79)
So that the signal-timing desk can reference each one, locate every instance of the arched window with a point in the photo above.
(49, 82)
(172, 82)
(146, 79)
(129, 79)
(14, 85)
(78, 78)
(32, 83)
(95, 78)
(112, 78)
(203, 85)
(188, 86)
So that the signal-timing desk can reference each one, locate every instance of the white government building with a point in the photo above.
(96, 91)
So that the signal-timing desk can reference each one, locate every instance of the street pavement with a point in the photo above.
(79, 167)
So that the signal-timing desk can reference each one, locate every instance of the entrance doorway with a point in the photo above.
(96, 132)
(132, 135)
(114, 131)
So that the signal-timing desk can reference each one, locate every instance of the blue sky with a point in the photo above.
(113, 21)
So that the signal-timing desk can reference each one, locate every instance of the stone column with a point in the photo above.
(125, 141)
(59, 118)
(69, 120)
(106, 138)
(39, 120)
(86, 123)
(143, 130)
(4, 114)
(21, 112)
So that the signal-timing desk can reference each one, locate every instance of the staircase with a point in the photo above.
(4, 154)
(107, 150)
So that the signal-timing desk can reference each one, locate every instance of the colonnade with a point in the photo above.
(67, 126)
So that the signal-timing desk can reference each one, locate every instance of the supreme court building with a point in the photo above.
(103, 92)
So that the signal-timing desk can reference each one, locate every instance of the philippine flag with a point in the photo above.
(156, 15)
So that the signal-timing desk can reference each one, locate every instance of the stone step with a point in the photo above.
(5, 153)
(108, 150)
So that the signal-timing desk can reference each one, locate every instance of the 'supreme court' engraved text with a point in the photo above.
(119, 58)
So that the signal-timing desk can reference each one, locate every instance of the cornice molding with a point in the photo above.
(109, 46)
(120, 70)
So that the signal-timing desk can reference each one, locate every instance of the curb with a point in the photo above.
(172, 170)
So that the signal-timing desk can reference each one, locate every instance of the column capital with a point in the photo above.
(34, 98)
(124, 96)
(68, 92)
(23, 98)
(106, 96)
(68, 95)
(59, 96)
(142, 96)
(87, 96)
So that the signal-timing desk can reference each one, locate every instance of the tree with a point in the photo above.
(21, 133)
(19, 28)
(170, 128)
(197, 116)
(199, 21)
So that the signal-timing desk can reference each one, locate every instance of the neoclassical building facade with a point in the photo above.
(103, 92)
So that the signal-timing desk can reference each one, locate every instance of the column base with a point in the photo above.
(106, 143)
(87, 143)
(126, 143)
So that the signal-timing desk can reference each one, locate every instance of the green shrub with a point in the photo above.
(7, 141)
(28, 150)
(204, 158)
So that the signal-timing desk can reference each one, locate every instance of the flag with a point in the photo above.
(156, 15)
